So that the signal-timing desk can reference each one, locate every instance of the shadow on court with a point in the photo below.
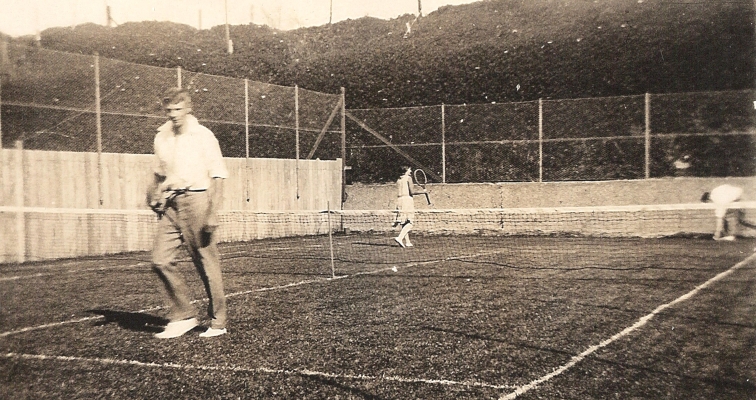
(133, 321)
(387, 243)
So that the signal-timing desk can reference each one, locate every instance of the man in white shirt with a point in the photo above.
(723, 196)
(186, 193)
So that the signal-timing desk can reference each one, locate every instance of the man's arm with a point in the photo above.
(215, 200)
(155, 191)
(411, 185)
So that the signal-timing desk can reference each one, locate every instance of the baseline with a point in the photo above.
(301, 372)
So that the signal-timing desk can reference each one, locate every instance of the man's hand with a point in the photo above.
(214, 198)
(157, 198)
(211, 223)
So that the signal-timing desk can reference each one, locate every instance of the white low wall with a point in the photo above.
(548, 194)
(651, 219)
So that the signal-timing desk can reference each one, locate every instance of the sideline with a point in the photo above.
(73, 271)
(642, 321)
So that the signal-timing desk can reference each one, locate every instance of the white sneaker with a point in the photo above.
(396, 239)
(725, 238)
(408, 244)
(177, 328)
(213, 332)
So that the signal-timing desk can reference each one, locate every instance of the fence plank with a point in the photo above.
(6, 178)
(69, 180)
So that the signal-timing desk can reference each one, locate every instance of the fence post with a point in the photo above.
(540, 140)
(246, 138)
(296, 133)
(98, 116)
(18, 195)
(4, 63)
(178, 76)
(647, 112)
(343, 145)
(443, 143)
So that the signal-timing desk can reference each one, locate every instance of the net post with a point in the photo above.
(647, 140)
(178, 77)
(330, 240)
(18, 195)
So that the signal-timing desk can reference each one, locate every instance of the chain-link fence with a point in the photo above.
(60, 101)
(627, 137)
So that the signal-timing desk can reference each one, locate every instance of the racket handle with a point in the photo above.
(427, 198)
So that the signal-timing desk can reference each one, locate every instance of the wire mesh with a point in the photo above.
(39, 105)
(712, 131)
(49, 101)
(364, 236)
(416, 131)
(492, 142)
(626, 137)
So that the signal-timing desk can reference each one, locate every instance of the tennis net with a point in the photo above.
(365, 236)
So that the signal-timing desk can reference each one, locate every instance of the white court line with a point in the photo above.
(260, 290)
(517, 390)
(68, 322)
(642, 321)
(301, 372)
(57, 268)
(93, 318)
(71, 271)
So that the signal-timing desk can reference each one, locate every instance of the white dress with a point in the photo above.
(404, 202)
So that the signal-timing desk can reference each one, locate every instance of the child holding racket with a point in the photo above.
(405, 206)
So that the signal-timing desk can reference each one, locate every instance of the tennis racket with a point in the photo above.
(421, 179)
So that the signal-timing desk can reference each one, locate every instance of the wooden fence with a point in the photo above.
(71, 204)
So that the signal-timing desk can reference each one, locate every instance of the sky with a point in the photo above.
(26, 17)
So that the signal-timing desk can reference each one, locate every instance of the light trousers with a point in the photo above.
(182, 224)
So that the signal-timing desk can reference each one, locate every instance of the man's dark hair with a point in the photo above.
(176, 95)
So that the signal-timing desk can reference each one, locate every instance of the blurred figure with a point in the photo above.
(723, 196)
(683, 166)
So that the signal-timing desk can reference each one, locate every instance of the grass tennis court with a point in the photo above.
(462, 316)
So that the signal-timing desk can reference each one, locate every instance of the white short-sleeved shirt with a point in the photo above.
(724, 195)
(188, 160)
